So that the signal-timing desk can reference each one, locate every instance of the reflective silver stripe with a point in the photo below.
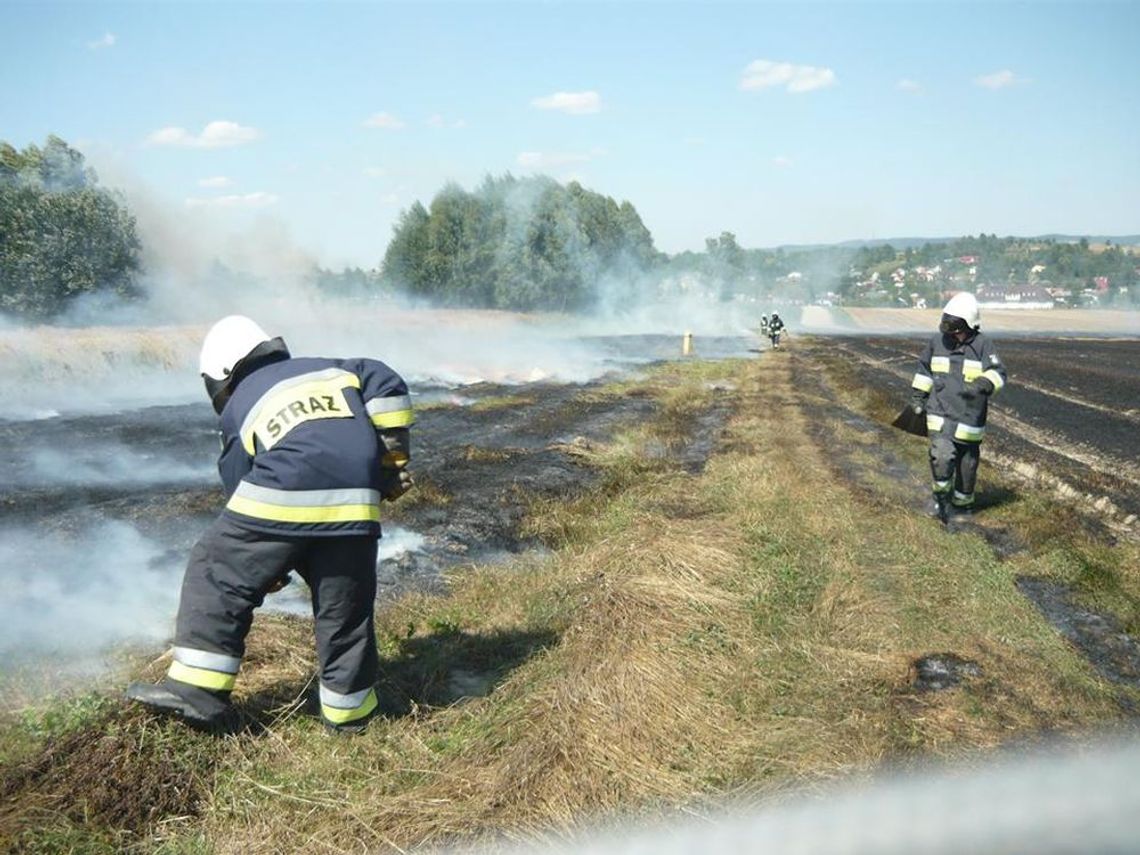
(336, 700)
(962, 500)
(308, 498)
(969, 433)
(205, 659)
(350, 379)
(388, 405)
(942, 486)
(934, 423)
(922, 382)
(994, 377)
(940, 364)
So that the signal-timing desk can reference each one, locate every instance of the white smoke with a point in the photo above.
(1064, 800)
(110, 465)
(70, 598)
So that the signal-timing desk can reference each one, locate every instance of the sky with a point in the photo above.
(781, 123)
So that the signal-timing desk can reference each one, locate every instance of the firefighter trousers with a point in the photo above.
(228, 575)
(954, 466)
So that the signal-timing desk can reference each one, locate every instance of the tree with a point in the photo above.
(61, 235)
(516, 243)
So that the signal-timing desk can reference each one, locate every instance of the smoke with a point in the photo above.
(108, 465)
(1056, 801)
(294, 597)
(70, 598)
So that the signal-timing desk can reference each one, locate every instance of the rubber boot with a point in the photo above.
(200, 708)
(942, 507)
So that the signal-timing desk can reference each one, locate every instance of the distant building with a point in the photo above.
(1014, 297)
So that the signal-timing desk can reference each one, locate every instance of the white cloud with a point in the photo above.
(384, 120)
(782, 161)
(907, 85)
(105, 41)
(763, 73)
(438, 121)
(573, 103)
(549, 160)
(375, 171)
(998, 79)
(214, 182)
(259, 199)
(218, 134)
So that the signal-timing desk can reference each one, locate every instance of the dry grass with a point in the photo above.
(744, 631)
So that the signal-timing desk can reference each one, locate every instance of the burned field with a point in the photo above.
(709, 578)
(1069, 419)
(1067, 427)
(482, 453)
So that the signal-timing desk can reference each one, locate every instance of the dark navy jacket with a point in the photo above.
(308, 445)
(953, 384)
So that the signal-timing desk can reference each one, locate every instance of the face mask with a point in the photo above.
(951, 325)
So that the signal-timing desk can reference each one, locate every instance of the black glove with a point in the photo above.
(985, 386)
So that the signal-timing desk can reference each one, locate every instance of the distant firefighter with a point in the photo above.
(310, 446)
(763, 326)
(958, 371)
(775, 329)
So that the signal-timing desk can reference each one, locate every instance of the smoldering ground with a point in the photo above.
(121, 497)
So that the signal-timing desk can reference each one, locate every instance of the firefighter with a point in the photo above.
(958, 371)
(310, 447)
(775, 328)
(763, 326)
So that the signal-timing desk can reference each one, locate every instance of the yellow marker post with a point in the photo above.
(687, 344)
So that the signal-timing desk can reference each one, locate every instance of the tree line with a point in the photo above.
(61, 234)
(511, 243)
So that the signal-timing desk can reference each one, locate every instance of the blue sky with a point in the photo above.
(783, 123)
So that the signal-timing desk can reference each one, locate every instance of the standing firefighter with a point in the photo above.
(763, 326)
(310, 446)
(775, 329)
(957, 372)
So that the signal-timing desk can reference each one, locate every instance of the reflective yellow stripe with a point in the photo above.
(971, 369)
(922, 383)
(969, 433)
(396, 418)
(303, 514)
(201, 677)
(934, 423)
(940, 364)
(994, 377)
(340, 716)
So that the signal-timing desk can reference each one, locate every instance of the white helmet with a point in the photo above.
(964, 306)
(235, 342)
(228, 342)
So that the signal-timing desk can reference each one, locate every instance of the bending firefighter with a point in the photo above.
(957, 372)
(310, 446)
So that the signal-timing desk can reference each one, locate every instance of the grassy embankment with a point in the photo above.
(749, 630)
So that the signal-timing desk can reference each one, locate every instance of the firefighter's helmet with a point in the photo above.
(962, 307)
(230, 341)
